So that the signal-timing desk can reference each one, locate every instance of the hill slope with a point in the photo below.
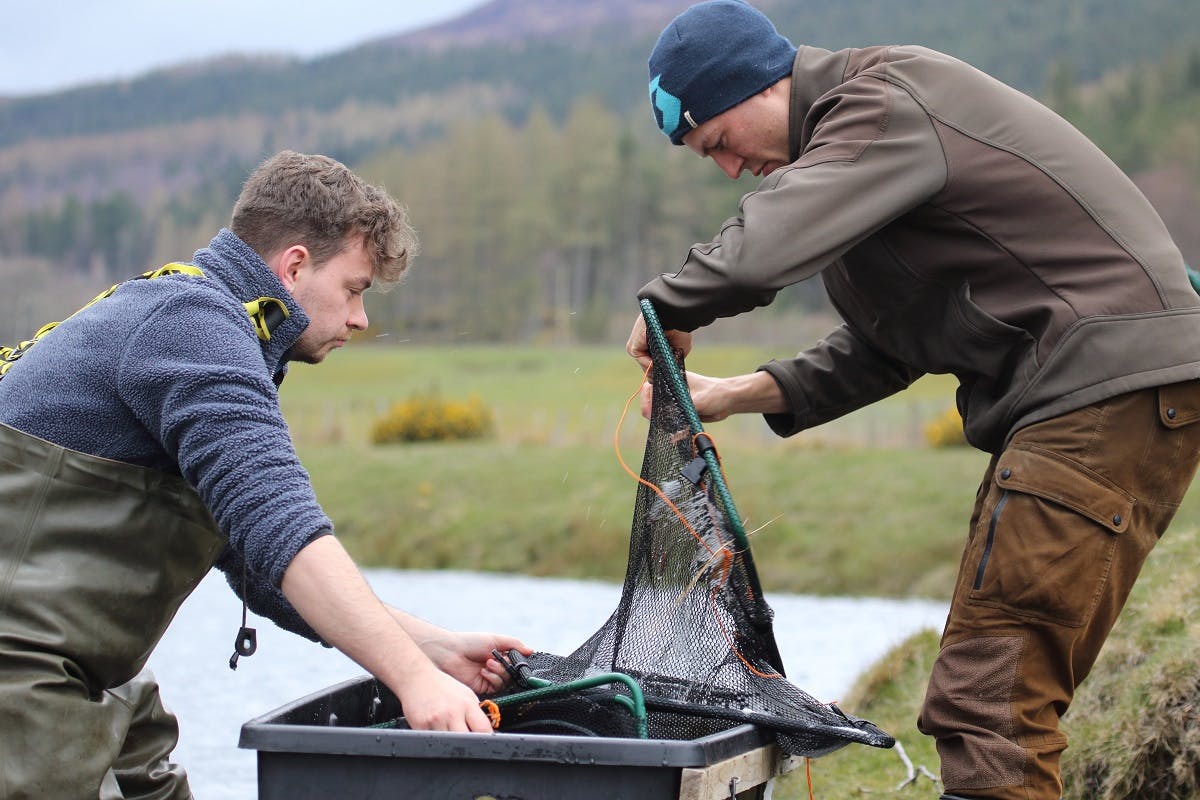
(549, 52)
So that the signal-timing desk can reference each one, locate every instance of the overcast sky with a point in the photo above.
(47, 45)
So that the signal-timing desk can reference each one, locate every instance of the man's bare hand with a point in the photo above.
(434, 701)
(467, 657)
(639, 347)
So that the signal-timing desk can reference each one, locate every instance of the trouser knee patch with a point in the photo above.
(968, 709)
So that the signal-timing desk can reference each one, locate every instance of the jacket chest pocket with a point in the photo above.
(1047, 544)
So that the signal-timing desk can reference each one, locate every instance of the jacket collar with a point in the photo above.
(242, 271)
(814, 72)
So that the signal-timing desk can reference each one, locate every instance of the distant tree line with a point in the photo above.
(544, 227)
(1144, 117)
(544, 230)
(93, 236)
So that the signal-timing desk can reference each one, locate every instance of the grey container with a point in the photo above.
(318, 747)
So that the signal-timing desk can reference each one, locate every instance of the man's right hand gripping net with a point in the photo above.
(692, 628)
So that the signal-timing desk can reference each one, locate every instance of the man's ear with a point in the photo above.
(289, 263)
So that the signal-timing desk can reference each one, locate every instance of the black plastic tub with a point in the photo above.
(320, 747)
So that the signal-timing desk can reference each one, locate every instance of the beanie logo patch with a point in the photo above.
(667, 107)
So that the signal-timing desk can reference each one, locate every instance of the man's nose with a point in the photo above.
(358, 318)
(729, 163)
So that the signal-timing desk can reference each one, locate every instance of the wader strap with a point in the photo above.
(266, 313)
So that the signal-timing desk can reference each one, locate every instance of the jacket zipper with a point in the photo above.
(991, 538)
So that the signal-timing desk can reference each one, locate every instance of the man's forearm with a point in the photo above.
(717, 398)
(756, 393)
(418, 629)
(325, 586)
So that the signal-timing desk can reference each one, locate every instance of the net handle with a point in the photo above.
(662, 355)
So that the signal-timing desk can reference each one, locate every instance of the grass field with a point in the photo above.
(547, 494)
(859, 507)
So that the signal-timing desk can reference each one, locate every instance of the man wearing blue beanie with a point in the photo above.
(959, 227)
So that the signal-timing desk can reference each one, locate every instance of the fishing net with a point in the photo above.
(691, 640)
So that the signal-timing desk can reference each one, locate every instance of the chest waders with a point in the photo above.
(96, 557)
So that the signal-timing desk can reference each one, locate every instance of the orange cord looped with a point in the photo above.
(493, 713)
(648, 484)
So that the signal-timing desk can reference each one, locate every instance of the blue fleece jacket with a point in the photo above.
(170, 374)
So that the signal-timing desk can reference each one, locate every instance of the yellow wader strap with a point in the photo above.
(266, 313)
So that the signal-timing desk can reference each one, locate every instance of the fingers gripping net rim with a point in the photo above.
(692, 627)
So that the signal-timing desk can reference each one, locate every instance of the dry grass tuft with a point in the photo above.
(1135, 724)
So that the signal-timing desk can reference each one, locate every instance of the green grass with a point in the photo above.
(1136, 721)
(861, 509)
(548, 395)
(1133, 726)
(548, 496)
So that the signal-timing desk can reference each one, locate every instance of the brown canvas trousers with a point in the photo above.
(1064, 519)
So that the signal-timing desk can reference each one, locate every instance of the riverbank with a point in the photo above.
(1132, 725)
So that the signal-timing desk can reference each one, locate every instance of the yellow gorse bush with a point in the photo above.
(946, 430)
(430, 418)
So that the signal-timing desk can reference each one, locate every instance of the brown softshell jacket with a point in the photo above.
(959, 227)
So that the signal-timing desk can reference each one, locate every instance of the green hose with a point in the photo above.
(635, 703)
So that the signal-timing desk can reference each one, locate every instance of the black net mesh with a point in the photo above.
(691, 627)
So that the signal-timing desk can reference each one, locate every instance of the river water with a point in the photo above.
(825, 643)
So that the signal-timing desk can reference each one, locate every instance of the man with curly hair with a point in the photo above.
(142, 442)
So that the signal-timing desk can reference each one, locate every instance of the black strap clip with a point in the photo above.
(245, 645)
(694, 469)
(247, 638)
(516, 666)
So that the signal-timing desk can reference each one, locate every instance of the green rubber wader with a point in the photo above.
(96, 556)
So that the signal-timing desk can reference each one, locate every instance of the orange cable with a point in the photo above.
(492, 710)
(732, 647)
(643, 481)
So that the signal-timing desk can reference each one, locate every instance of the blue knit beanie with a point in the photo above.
(710, 58)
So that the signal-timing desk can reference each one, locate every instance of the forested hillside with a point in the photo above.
(531, 63)
(519, 137)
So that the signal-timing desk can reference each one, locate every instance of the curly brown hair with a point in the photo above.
(316, 201)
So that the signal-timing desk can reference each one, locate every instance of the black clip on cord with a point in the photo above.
(247, 638)
(694, 470)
